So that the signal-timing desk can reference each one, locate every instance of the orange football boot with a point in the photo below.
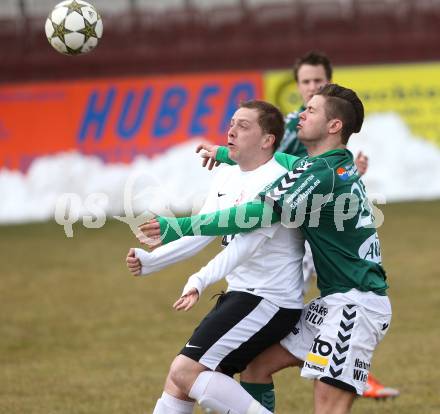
(378, 391)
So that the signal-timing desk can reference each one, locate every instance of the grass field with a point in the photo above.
(79, 335)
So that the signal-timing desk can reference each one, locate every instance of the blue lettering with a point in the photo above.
(241, 92)
(125, 131)
(168, 116)
(202, 109)
(96, 116)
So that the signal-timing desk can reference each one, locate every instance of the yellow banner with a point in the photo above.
(412, 91)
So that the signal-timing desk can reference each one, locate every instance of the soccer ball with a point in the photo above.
(73, 27)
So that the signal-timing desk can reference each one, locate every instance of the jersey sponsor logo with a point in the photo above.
(227, 239)
(358, 363)
(346, 172)
(314, 367)
(321, 347)
(304, 196)
(360, 370)
(370, 249)
(343, 173)
(304, 184)
(317, 359)
(316, 313)
(221, 194)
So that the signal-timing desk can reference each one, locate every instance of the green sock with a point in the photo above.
(263, 393)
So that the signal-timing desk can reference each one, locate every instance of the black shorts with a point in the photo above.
(239, 327)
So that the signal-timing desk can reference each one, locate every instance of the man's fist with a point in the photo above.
(133, 263)
(149, 234)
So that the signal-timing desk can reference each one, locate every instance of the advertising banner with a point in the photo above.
(117, 119)
(412, 91)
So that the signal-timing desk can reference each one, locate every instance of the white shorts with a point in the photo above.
(336, 336)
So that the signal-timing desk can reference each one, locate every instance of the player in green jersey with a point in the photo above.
(311, 72)
(323, 194)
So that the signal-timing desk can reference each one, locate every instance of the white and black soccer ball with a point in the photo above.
(74, 27)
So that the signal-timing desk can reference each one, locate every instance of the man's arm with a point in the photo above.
(237, 252)
(285, 160)
(150, 262)
(239, 219)
(177, 251)
(213, 155)
(294, 191)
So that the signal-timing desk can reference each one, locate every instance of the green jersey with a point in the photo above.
(325, 197)
(290, 143)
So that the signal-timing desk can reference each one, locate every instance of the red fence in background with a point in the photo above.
(263, 37)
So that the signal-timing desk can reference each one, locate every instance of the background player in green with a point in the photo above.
(339, 331)
(311, 72)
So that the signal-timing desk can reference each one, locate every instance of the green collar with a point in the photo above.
(331, 152)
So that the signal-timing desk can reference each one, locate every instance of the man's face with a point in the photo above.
(245, 135)
(313, 124)
(310, 79)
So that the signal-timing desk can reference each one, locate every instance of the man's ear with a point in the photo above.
(268, 141)
(335, 126)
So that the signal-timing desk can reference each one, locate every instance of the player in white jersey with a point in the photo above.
(264, 297)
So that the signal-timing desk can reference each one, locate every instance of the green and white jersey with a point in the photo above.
(290, 144)
(326, 198)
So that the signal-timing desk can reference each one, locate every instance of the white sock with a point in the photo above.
(167, 404)
(224, 395)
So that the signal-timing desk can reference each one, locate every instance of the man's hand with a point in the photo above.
(187, 301)
(361, 162)
(208, 155)
(149, 234)
(133, 263)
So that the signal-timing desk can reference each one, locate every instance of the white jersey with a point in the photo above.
(266, 262)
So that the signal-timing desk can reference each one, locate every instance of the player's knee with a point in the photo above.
(183, 373)
(332, 396)
(256, 372)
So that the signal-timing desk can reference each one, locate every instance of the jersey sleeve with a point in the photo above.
(223, 156)
(285, 160)
(293, 191)
(238, 251)
(169, 254)
(180, 249)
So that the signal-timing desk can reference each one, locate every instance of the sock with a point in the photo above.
(224, 395)
(167, 404)
(263, 393)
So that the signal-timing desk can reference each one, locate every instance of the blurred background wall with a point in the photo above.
(176, 36)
